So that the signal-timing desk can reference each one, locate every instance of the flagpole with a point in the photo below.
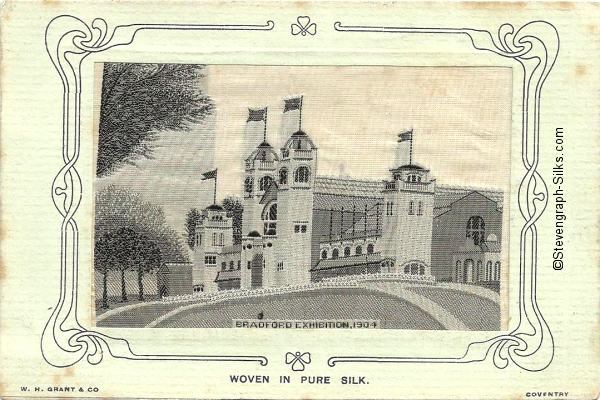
(300, 119)
(411, 147)
(265, 130)
(215, 190)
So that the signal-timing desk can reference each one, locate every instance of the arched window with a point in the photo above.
(478, 271)
(497, 271)
(283, 176)
(414, 269)
(407, 269)
(370, 248)
(248, 183)
(231, 264)
(302, 174)
(358, 250)
(324, 255)
(239, 264)
(347, 252)
(488, 271)
(420, 208)
(223, 266)
(270, 219)
(414, 178)
(222, 239)
(476, 229)
(458, 271)
(214, 239)
(264, 183)
(335, 253)
(411, 208)
(468, 271)
(422, 270)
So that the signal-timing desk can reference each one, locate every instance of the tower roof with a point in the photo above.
(414, 167)
(299, 140)
(215, 207)
(264, 152)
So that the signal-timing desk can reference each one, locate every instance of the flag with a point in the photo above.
(404, 136)
(292, 104)
(257, 115)
(209, 175)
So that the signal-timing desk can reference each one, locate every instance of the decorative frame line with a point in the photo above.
(69, 41)
(535, 46)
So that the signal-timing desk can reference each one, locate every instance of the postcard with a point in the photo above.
(300, 200)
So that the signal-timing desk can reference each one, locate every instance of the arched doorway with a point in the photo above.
(256, 274)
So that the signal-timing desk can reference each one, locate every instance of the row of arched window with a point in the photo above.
(231, 265)
(414, 269)
(335, 253)
(301, 175)
(465, 272)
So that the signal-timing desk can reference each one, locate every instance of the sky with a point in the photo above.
(460, 117)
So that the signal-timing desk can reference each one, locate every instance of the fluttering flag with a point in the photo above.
(257, 115)
(209, 175)
(404, 136)
(292, 104)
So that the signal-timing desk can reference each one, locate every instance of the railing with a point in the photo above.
(382, 276)
(266, 164)
(424, 186)
(395, 185)
(303, 153)
(390, 185)
(327, 283)
(220, 223)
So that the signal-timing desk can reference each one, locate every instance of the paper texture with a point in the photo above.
(299, 200)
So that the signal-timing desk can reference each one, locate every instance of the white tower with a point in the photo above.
(297, 171)
(408, 216)
(213, 233)
(260, 173)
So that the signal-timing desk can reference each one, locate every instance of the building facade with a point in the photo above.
(299, 227)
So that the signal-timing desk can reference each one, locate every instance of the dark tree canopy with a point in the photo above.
(141, 100)
(191, 220)
(235, 209)
(117, 208)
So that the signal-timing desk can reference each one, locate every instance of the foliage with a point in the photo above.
(118, 207)
(141, 100)
(235, 209)
(191, 220)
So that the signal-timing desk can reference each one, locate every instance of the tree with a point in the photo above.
(148, 258)
(124, 248)
(235, 209)
(131, 234)
(191, 220)
(141, 100)
(118, 207)
(104, 261)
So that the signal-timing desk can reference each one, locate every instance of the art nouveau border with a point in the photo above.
(69, 41)
(535, 46)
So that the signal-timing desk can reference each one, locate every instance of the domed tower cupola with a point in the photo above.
(261, 169)
(264, 156)
(299, 143)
